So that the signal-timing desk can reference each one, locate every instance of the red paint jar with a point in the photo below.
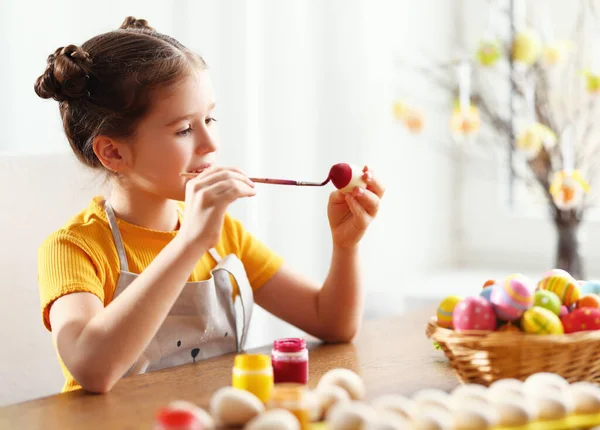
(289, 359)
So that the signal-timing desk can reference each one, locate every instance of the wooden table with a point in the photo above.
(392, 355)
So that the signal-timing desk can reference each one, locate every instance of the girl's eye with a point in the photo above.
(209, 120)
(185, 132)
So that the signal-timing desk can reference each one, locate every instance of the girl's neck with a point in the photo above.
(143, 209)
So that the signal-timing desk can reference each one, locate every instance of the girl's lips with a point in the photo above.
(200, 169)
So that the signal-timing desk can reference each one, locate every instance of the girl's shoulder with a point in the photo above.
(88, 229)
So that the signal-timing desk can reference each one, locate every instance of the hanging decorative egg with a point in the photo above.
(526, 47)
(489, 52)
(592, 82)
(411, 118)
(533, 138)
(555, 53)
(465, 123)
(568, 189)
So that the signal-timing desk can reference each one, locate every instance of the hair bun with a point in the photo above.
(66, 76)
(132, 22)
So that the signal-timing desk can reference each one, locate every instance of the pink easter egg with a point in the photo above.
(563, 311)
(474, 313)
(512, 297)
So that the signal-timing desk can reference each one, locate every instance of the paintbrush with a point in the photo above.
(343, 176)
(273, 181)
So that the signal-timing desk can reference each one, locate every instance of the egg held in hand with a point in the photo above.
(345, 177)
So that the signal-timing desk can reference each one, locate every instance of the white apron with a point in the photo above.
(202, 322)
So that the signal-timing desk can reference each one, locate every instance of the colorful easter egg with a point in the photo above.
(465, 123)
(562, 284)
(563, 311)
(474, 313)
(592, 287)
(581, 320)
(555, 52)
(489, 283)
(486, 293)
(533, 138)
(489, 52)
(512, 297)
(548, 300)
(445, 310)
(538, 320)
(588, 301)
(568, 189)
(527, 46)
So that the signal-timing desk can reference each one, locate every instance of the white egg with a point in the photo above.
(403, 406)
(544, 380)
(586, 397)
(352, 415)
(355, 181)
(204, 417)
(433, 418)
(274, 419)
(514, 412)
(330, 395)
(387, 420)
(471, 390)
(505, 388)
(346, 379)
(234, 407)
(468, 393)
(432, 397)
(550, 405)
(474, 417)
(314, 403)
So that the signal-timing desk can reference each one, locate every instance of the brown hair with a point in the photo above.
(104, 87)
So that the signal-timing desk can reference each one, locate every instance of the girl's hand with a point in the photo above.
(207, 197)
(350, 214)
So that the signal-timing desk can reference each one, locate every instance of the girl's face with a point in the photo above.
(177, 135)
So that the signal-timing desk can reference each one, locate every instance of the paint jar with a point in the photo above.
(292, 397)
(176, 419)
(290, 361)
(253, 373)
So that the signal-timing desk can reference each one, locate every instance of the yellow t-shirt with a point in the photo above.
(82, 257)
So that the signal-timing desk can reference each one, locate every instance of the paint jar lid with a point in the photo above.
(252, 361)
(289, 344)
(167, 419)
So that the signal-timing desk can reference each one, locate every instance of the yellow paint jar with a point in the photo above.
(292, 396)
(253, 373)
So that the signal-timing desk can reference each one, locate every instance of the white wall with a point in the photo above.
(491, 235)
(300, 85)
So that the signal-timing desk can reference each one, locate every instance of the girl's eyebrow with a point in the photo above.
(189, 115)
(181, 118)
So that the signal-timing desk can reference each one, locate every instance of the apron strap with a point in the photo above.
(235, 268)
(114, 228)
(214, 254)
(247, 301)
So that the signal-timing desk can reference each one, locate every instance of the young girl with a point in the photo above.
(140, 281)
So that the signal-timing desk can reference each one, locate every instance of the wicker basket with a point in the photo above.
(484, 357)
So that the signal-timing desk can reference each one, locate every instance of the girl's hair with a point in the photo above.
(105, 86)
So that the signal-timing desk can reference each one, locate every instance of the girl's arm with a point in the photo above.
(99, 344)
(331, 312)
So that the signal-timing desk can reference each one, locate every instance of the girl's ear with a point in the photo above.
(114, 155)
